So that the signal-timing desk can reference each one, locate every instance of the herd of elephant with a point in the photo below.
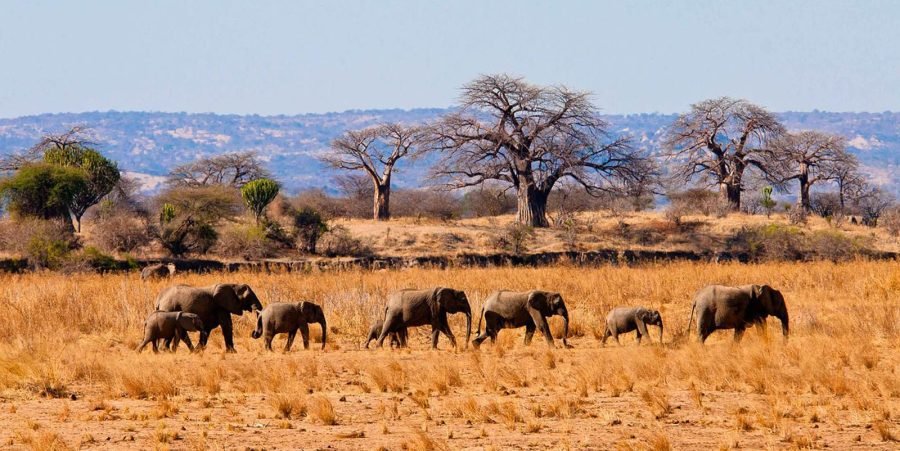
(181, 309)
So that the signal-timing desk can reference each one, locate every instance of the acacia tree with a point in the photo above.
(101, 176)
(376, 151)
(809, 157)
(718, 140)
(531, 137)
(230, 169)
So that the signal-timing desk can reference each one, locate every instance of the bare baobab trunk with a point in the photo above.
(382, 211)
(731, 193)
(803, 178)
(532, 206)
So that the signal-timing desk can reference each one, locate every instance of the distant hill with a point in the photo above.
(149, 144)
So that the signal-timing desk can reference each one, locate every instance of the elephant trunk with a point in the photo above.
(784, 323)
(258, 331)
(324, 331)
(468, 327)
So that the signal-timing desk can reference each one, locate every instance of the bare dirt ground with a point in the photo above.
(76, 383)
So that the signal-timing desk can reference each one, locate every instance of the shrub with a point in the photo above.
(516, 238)
(777, 242)
(766, 201)
(120, 233)
(96, 259)
(891, 221)
(426, 203)
(338, 242)
(250, 242)
(694, 201)
(309, 226)
(488, 201)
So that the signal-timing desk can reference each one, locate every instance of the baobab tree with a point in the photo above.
(718, 140)
(376, 151)
(530, 137)
(809, 157)
(234, 169)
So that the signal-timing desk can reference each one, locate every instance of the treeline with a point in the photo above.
(541, 152)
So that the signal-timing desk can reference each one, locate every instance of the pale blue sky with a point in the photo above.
(280, 57)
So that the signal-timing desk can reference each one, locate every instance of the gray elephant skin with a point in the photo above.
(287, 318)
(214, 305)
(170, 326)
(529, 309)
(622, 320)
(721, 307)
(158, 271)
(375, 332)
(413, 308)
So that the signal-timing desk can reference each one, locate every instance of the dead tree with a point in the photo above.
(376, 151)
(531, 137)
(718, 140)
(230, 169)
(74, 138)
(809, 157)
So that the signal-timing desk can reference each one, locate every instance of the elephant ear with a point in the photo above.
(438, 300)
(225, 297)
(538, 301)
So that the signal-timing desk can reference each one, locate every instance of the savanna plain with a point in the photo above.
(70, 379)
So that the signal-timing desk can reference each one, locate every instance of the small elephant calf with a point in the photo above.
(287, 318)
(375, 332)
(168, 326)
(626, 319)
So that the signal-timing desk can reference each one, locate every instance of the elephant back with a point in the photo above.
(187, 299)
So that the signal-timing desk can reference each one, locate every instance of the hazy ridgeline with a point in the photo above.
(833, 382)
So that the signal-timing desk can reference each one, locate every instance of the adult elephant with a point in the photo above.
(721, 307)
(529, 309)
(411, 308)
(214, 305)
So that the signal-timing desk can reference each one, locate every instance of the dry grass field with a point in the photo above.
(70, 379)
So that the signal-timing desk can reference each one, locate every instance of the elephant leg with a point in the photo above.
(155, 347)
(304, 334)
(435, 333)
(227, 331)
(290, 341)
(390, 324)
(175, 341)
(268, 339)
(476, 342)
(144, 344)
(187, 341)
(529, 332)
(639, 336)
(403, 338)
(541, 322)
(445, 328)
(738, 334)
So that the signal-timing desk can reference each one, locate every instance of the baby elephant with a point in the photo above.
(626, 319)
(287, 318)
(168, 326)
(375, 331)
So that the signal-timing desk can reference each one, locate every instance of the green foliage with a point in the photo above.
(100, 173)
(97, 260)
(767, 202)
(189, 215)
(258, 194)
(309, 227)
(43, 191)
(166, 213)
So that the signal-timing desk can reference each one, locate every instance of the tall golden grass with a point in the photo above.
(836, 381)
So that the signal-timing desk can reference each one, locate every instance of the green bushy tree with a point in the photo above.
(258, 194)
